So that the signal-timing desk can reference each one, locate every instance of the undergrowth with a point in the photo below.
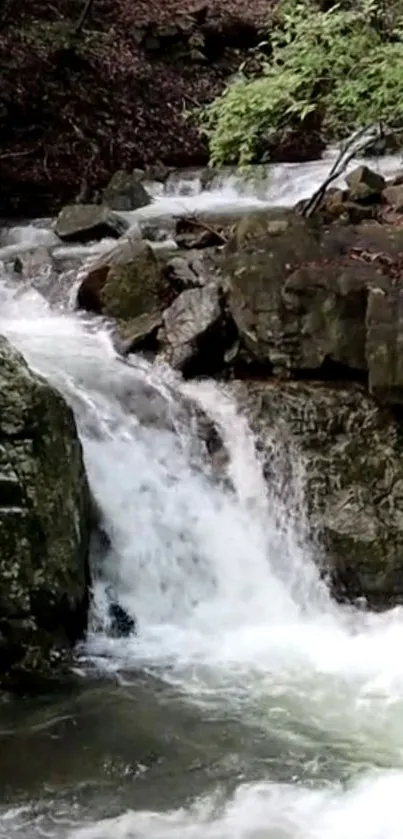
(340, 69)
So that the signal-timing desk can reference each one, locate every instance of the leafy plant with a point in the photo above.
(339, 68)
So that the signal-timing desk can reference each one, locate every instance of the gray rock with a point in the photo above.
(122, 625)
(121, 252)
(126, 192)
(158, 229)
(86, 222)
(364, 184)
(194, 313)
(185, 272)
(44, 527)
(137, 334)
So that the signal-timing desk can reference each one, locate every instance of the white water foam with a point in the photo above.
(281, 185)
(229, 605)
(369, 809)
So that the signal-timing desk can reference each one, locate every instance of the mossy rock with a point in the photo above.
(45, 517)
(125, 290)
(136, 288)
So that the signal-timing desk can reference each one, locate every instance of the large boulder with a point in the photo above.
(296, 298)
(316, 301)
(137, 288)
(44, 527)
(350, 450)
(144, 333)
(87, 222)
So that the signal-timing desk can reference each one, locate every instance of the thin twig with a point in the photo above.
(208, 228)
(45, 162)
(16, 154)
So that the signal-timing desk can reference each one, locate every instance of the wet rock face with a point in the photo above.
(352, 455)
(384, 330)
(295, 298)
(44, 527)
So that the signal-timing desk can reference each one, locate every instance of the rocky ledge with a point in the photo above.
(44, 529)
(303, 317)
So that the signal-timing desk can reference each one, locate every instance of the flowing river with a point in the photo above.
(248, 705)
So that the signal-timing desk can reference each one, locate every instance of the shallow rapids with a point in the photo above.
(249, 705)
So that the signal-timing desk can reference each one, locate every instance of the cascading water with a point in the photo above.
(273, 713)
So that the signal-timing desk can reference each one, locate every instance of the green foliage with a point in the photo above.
(342, 67)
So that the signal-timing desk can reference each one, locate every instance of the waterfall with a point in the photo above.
(231, 614)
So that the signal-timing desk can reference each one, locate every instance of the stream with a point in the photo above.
(249, 705)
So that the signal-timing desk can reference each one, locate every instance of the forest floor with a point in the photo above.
(78, 103)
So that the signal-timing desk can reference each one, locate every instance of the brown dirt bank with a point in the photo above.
(74, 108)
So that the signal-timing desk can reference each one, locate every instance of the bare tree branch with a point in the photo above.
(83, 17)
(352, 147)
